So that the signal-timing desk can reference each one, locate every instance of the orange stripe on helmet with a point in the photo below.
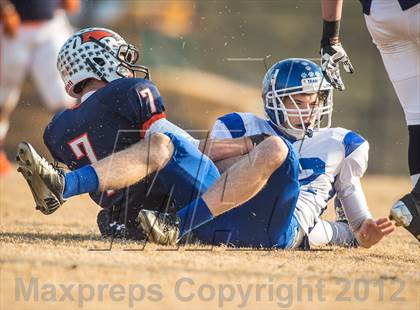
(96, 34)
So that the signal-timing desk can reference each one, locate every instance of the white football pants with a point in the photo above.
(396, 33)
(35, 48)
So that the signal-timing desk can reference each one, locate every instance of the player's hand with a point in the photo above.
(372, 231)
(332, 55)
(11, 22)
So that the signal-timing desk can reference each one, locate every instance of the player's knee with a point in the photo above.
(161, 149)
(273, 152)
(278, 150)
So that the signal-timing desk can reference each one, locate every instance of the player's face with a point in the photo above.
(305, 103)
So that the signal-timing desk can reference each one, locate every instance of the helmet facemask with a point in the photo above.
(321, 112)
(126, 56)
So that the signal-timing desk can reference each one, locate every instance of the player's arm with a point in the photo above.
(148, 104)
(224, 149)
(215, 148)
(331, 10)
(9, 18)
(367, 231)
(230, 150)
(332, 53)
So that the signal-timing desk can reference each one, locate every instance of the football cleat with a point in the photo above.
(160, 228)
(45, 181)
(406, 213)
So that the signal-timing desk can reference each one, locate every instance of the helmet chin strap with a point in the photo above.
(309, 132)
(300, 134)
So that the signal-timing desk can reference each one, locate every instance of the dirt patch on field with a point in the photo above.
(60, 261)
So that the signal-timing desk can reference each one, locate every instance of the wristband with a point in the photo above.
(330, 33)
(257, 139)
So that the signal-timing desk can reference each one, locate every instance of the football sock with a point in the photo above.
(342, 234)
(80, 181)
(332, 233)
(416, 190)
(195, 214)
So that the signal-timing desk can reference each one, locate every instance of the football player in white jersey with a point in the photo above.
(298, 101)
(332, 160)
(395, 29)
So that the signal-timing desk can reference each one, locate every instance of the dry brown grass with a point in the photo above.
(55, 249)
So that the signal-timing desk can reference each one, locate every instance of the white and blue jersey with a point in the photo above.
(331, 162)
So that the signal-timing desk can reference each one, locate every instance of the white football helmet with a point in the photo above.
(97, 53)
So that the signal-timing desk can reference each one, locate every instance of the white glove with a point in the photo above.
(331, 57)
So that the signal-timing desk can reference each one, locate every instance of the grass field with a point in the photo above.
(48, 263)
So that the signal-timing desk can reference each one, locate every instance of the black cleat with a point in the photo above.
(160, 228)
(406, 213)
(45, 181)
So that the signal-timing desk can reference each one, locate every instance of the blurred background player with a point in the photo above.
(395, 29)
(298, 104)
(31, 33)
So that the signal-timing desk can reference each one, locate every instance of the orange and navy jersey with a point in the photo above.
(109, 120)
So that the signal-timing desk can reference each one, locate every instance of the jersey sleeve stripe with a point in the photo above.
(234, 123)
(149, 123)
(351, 142)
